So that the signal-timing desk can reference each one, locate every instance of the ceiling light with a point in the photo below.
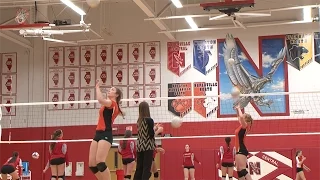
(177, 3)
(191, 22)
(73, 7)
(307, 14)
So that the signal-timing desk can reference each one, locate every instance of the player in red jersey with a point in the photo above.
(226, 157)
(300, 166)
(58, 156)
(154, 168)
(10, 167)
(245, 121)
(127, 149)
(103, 138)
(188, 163)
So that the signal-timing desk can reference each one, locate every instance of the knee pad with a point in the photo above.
(94, 169)
(102, 166)
(242, 173)
(52, 177)
(223, 176)
(127, 177)
(156, 174)
(230, 177)
(61, 177)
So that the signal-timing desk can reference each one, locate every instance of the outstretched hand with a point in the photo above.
(98, 83)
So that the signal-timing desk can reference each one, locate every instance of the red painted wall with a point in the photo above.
(171, 161)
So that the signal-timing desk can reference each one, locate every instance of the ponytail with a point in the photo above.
(118, 99)
(228, 140)
(55, 136)
(14, 157)
(127, 134)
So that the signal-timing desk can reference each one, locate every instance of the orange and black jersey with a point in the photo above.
(240, 136)
(107, 115)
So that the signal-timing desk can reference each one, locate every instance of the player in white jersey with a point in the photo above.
(300, 166)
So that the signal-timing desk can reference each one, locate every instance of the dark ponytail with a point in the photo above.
(118, 99)
(56, 134)
(228, 140)
(14, 157)
(127, 134)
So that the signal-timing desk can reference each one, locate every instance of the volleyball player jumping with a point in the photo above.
(245, 121)
(127, 149)
(58, 156)
(188, 163)
(154, 168)
(103, 138)
(226, 157)
(300, 166)
(9, 168)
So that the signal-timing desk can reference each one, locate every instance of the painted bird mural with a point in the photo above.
(242, 79)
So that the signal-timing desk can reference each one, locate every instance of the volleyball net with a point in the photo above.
(198, 113)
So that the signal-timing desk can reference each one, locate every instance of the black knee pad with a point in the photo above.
(61, 177)
(156, 174)
(230, 177)
(242, 173)
(94, 169)
(102, 166)
(223, 176)
(127, 177)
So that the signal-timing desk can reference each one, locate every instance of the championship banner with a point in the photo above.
(299, 50)
(317, 47)
(205, 106)
(204, 55)
(179, 107)
(179, 57)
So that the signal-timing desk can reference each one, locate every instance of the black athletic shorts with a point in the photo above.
(299, 169)
(104, 135)
(127, 161)
(243, 151)
(7, 169)
(225, 164)
(57, 161)
(188, 167)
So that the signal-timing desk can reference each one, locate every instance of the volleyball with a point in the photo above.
(93, 3)
(235, 93)
(231, 61)
(176, 122)
(35, 155)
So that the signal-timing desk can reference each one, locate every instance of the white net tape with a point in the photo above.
(293, 105)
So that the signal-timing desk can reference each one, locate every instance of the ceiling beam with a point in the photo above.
(16, 39)
(151, 14)
(216, 14)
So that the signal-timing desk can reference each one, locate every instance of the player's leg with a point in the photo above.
(192, 172)
(54, 171)
(101, 156)
(230, 172)
(129, 170)
(224, 170)
(186, 173)
(302, 176)
(154, 170)
(124, 167)
(61, 169)
(92, 159)
(241, 162)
